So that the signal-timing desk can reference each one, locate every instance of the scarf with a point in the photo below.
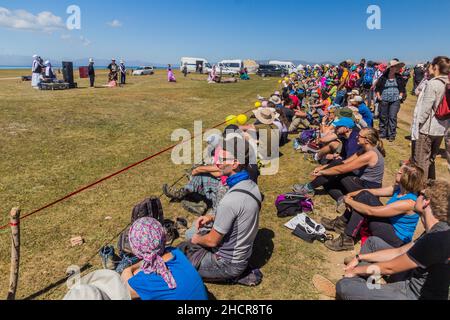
(238, 177)
(147, 240)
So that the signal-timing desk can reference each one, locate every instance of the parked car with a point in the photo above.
(289, 66)
(268, 70)
(142, 71)
(231, 67)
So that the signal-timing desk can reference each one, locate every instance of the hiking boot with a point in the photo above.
(343, 243)
(341, 207)
(336, 225)
(324, 286)
(302, 189)
(108, 258)
(174, 194)
(198, 209)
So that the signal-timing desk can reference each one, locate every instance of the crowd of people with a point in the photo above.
(332, 111)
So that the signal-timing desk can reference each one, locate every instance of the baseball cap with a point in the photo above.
(344, 122)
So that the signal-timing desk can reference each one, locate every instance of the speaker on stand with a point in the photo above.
(67, 70)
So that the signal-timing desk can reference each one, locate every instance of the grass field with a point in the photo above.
(54, 142)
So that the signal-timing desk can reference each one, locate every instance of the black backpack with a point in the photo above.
(150, 207)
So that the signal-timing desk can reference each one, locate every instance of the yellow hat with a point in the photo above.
(242, 119)
(258, 104)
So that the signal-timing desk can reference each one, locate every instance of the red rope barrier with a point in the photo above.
(70, 195)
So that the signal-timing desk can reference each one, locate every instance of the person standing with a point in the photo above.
(431, 129)
(185, 70)
(36, 70)
(113, 71)
(123, 72)
(390, 90)
(91, 72)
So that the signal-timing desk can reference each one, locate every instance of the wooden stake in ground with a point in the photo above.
(15, 253)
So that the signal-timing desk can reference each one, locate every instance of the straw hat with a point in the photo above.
(394, 63)
(275, 99)
(266, 115)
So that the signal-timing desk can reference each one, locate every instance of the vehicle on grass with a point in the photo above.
(269, 70)
(195, 64)
(231, 67)
(289, 66)
(144, 71)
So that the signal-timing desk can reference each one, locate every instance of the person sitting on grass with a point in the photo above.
(227, 248)
(163, 273)
(365, 166)
(363, 110)
(427, 259)
(394, 222)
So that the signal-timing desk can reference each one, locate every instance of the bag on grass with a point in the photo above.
(306, 136)
(291, 204)
(307, 229)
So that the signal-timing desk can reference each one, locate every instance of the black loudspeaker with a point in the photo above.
(67, 70)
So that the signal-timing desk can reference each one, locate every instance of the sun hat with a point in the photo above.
(344, 122)
(35, 56)
(266, 115)
(354, 109)
(91, 60)
(357, 99)
(99, 285)
(394, 63)
(354, 92)
(277, 93)
(47, 62)
(345, 113)
(121, 61)
(275, 99)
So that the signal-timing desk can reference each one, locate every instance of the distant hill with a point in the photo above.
(19, 61)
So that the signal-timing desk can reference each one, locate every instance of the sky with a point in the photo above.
(162, 31)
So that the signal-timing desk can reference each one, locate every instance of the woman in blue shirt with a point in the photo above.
(163, 273)
(395, 222)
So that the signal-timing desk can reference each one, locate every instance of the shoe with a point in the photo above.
(174, 194)
(108, 258)
(336, 225)
(324, 286)
(302, 189)
(343, 243)
(198, 209)
(341, 207)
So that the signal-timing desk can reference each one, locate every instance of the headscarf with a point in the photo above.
(147, 240)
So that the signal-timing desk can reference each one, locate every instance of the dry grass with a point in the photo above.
(55, 142)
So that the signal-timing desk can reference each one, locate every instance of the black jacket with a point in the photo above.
(91, 70)
(382, 82)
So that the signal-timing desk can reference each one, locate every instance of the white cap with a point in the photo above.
(91, 60)
(35, 56)
(47, 62)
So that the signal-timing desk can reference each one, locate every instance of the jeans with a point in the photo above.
(378, 227)
(340, 97)
(358, 289)
(123, 77)
(214, 269)
(388, 118)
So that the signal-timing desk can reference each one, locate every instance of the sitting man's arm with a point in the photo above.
(211, 240)
(212, 170)
(400, 264)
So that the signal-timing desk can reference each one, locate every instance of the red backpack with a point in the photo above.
(443, 109)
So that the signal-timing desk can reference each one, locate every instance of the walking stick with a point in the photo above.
(15, 253)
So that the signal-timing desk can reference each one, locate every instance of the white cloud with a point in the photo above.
(66, 36)
(115, 24)
(24, 20)
(86, 42)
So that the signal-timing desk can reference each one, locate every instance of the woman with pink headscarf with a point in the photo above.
(170, 75)
(163, 273)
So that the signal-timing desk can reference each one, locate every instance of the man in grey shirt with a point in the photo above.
(236, 223)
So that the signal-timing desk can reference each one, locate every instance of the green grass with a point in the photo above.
(55, 142)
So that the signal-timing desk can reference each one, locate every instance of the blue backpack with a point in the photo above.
(369, 73)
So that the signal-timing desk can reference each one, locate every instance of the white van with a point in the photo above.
(289, 66)
(193, 64)
(231, 66)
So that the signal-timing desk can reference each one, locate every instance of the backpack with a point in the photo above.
(291, 204)
(443, 109)
(150, 207)
(368, 77)
(306, 136)
(351, 81)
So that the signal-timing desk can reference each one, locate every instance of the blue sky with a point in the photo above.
(163, 31)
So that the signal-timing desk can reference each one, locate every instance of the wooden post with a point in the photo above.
(15, 253)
